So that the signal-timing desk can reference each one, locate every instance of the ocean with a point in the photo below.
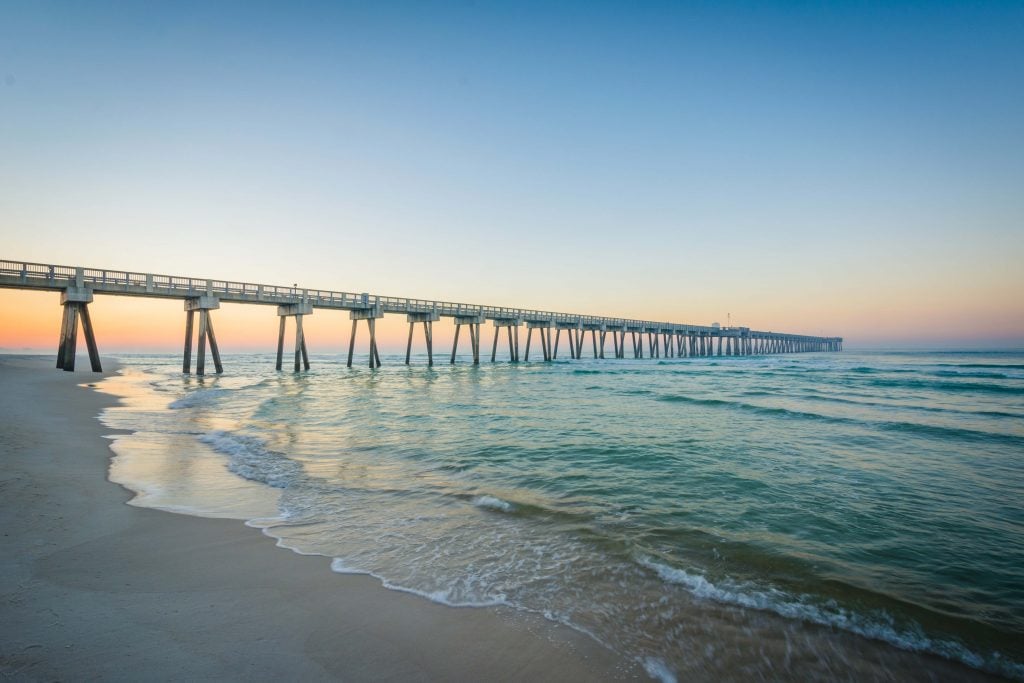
(858, 514)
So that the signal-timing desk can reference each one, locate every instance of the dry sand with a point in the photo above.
(95, 589)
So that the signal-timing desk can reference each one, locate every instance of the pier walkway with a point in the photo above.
(78, 285)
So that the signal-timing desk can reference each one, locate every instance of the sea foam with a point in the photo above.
(877, 626)
(199, 398)
(493, 503)
(248, 457)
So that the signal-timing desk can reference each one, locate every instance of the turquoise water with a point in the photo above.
(768, 516)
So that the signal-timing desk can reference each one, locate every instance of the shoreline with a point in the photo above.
(96, 588)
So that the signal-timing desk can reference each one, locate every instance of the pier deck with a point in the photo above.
(78, 285)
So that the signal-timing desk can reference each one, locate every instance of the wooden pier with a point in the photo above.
(78, 286)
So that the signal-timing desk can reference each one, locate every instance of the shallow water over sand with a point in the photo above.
(796, 515)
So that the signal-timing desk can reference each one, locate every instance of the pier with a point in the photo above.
(78, 286)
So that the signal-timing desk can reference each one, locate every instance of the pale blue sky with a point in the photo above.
(846, 163)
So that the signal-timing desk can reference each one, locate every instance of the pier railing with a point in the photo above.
(27, 275)
(78, 284)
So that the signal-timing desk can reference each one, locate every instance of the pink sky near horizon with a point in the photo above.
(30, 321)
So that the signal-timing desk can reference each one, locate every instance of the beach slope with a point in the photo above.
(91, 588)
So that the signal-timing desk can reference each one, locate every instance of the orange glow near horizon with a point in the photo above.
(29, 321)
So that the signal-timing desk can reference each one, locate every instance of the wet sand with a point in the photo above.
(93, 588)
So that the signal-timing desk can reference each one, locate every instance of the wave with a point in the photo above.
(953, 387)
(441, 597)
(864, 370)
(202, 397)
(931, 430)
(878, 626)
(997, 366)
(249, 458)
(828, 398)
(972, 375)
(493, 503)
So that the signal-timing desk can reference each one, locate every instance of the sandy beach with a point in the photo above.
(96, 589)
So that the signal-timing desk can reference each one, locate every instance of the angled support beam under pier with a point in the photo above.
(595, 329)
(75, 304)
(201, 305)
(636, 335)
(513, 344)
(296, 311)
(473, 321)
(428, 318)
(572, 329)
(652, 341)
(370, 314)
(614, 331)
(543, 328)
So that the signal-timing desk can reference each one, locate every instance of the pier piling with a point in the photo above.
(75, 304)
(296, 311)
(370, 314)
(428, 318)
(77, 286)
(201, 305)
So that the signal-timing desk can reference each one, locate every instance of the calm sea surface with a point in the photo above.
(801, 515)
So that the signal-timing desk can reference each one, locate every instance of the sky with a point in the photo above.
(849, 169)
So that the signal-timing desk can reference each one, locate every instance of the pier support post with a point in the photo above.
(474, 322)
(428, 318)
(543, 328)
(507, 324)
(595, 329)
(652, 343)
(572, 331)
(201, 305)
(75, 304)
(370, 314)
(301, 355)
